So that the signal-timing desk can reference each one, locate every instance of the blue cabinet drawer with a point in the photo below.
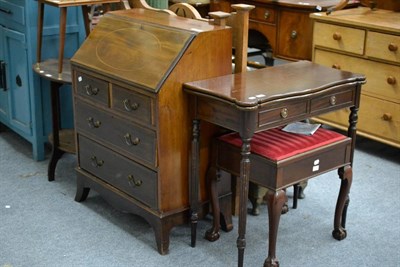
(10, 11)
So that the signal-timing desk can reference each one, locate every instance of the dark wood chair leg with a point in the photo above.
(346, 176)
(212, 234)
(275, 202)
(296, 190)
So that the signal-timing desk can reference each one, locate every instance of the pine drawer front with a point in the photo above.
(134, 105)
(128, 176)
(383, 46)
(379, 119)
(92, 88)
(382, 79)
(339, 38)
(12, 12)
(119, 133)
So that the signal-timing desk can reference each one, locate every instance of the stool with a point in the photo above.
(280, 159)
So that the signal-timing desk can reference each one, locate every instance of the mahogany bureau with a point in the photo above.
(131, 115)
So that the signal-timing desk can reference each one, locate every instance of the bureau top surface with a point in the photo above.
(138, 46)
(379, 19)
(249, 89)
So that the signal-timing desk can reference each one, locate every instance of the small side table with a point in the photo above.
(63, 140)
(63, 5)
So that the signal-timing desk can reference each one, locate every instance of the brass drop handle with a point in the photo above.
(128, 106)
(129, 141)
(92, 123)
(91, 90)
(387, 117)
(133, 182)
(96, 163)
(336, 66)
(393, 47)
(293, 34)
(391, 80)
(332, 100)
(284, 113)
(337, 36)
(266, 14)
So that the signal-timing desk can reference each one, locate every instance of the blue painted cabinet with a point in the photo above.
(24, 97)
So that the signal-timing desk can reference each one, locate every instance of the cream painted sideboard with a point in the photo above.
(364, 41)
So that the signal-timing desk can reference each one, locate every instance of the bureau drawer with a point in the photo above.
(136, 106)
(11, 12)
(339, 38)
(122, 173)
(377, 119)
(383, 46)
(92, 88)
(263, 14)
(382, 79)
(281, 114)
(124, 136)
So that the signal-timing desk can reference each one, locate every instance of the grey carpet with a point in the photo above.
(41, 224)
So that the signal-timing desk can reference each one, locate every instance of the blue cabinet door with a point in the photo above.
(3, 87)
(18, 80)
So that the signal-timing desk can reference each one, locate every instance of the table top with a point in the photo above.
(67, 3)
(250, 89)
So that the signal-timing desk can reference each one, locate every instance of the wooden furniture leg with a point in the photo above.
(86, 21)
(346, 176)
(56, 153)
(63, 22)
(275, 202)
(39, 31)
(194, 186)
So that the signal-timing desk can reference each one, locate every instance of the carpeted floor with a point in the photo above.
(42, 226)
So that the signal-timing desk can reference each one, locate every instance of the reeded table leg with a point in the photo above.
(194, 181)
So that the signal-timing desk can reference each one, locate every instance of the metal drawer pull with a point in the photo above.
(128, 106)
(92, 123)
(336, 36)
(293, 34)
(132, 182)
(129, 141)
(387, 117)
(391, 80)
(7, 11)
(284, 113)
(3, 83)
(91, 90)
(96, 163)
(266, 15)
(393, 47)
(332, 100)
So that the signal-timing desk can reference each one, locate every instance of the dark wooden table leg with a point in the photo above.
(275, 202)
(56, 153)
(243, 191)
(194, 181)
(346, 175)
(39, 31)
(86, 21)
(63, 22)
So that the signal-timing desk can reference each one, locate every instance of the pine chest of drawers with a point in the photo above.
(368, 42)
(131, 115)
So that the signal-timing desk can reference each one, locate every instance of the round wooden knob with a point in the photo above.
(387, 117)
(393, 47)
(336, 66)
(336, 36)
(391, 80)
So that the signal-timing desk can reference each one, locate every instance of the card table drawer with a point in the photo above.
(128, 138)
(132, 104)
(333, 101)
(281, 113)
(128, 176)
(92, 88)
